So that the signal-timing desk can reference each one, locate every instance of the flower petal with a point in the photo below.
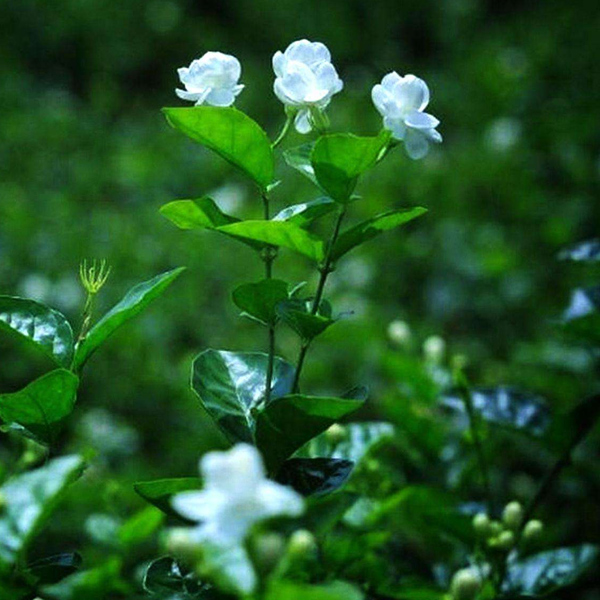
(277, 499)
(396, 126)
(302, 121)
(390, 80)
(411, 93)
(279, 61)
(191, 96)
(197, 505)
(220, 97)
(416, 144)
(421, 120)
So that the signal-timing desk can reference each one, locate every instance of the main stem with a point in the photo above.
(325, 269)
(268, 258)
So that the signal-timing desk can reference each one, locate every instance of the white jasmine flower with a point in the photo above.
(305, 78)
(212, 79)
(236, 495)
(401, 102)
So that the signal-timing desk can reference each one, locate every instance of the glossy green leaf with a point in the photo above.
(296, 313)
(165, 576)
(278, 233)
(547, 572)
(299, 158)
(288, 422)
(307, 212)
(315, 476)
(259, 300)
(39, 326)
(231, 134)
(54, 568)
(134, 302)
(140, 526)
(160, 491)
(42, 406)
(231, 387)
(336, 590)
(29, 501)
(338, 160)
(371, 228)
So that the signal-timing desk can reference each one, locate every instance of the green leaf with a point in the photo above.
(30, 498)
(42, 406)
(278, 233)
(299, 158)
(231, 134)
(581, 320)
(140, 526)
(39, 326)
(412, 592)
(336, 590)
(259, 300)
(134, 302)
(231, 387)
(54, 568)
(338, 160)
(307, 212)
(160, 491)
(505, 406)
(296, 313)
(288, 422)
(165, 576)
(544, 573)
(371, 228)
(315, 476)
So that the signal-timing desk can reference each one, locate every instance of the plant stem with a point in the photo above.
(268, 258)
(325, 270)
(467, 398)
(284, 131)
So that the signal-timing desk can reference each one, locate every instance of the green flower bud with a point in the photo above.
(267, 549)
(180, 543)
(399, 332)
(533, 529)
(495, 528)
(506, 540)
(465, 585)
(513, 515)
(336, 433)
(434, 348)
(481, 524)
(302, 542)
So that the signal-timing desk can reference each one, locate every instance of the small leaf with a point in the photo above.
(505, 406)
(134, 302)
(54, 568)
(288, 422)
(299, 158)
(338, 160)
(166, 576)
(280, 234)
(335, 590)
(30, 498)
(231, 387)
(315, 476)
(231, 134)
(40, 326)
(296, 313)
(588, 251)
(546, 572)
(258, 300)
(42, 406)
(305, 213)
(140, 526)
(160, 491)
(367, 230)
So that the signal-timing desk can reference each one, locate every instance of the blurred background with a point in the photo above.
(86, 160)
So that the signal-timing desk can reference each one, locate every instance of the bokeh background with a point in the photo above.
(86, 160)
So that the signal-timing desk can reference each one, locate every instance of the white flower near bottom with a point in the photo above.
(401, 102)
(212, 79)
(305, 79)
(236, 495)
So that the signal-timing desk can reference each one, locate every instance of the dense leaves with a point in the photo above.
(305, 213)
(260, 300)
(160, 491)
(315, 476)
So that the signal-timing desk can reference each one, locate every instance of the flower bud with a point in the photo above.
(336, 434)
(465, 585)
(533, 530)
(504, 541)
(495, 528)
(2, 501)
(267, 549)
(481, 524)
(181, 543)
(302, 542)
(434, 348)
(399, 332)
(512, 515)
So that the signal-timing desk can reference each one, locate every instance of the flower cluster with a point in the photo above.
(305, 82)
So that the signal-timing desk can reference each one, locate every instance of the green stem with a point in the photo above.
(268, 258)
(284, 131)
(325, 270)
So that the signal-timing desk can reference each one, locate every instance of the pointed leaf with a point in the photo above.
(140, 526)
(231, 134)
(165, 576)
(40, 326)
(338, 160)
(231, 387)
(315, 476)
(160, 491)
(288, 422)
(29, 500)
(299, 158)
(367, 230)
(54, 568)
(296, 313)
(258, 300)
(134, 302)
(280, 234)
(305, 213)
(42, 406)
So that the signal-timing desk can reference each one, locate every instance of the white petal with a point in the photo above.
(433, 136)
(321, 52)
(411, 93)
(327, 78)
(191, 96)
(299, 84)
(279, 62)
(416, 144)
(307, 52)
(237, 471)
(222, 97)
(421, 120)
(384, 102)
(278, 499)
(197, 506)
(302, 121)
(280, 91)
(390, 80)
(183, 72)
(396, 126)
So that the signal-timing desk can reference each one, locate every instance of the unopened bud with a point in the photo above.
(505, 541)
(267, 550)
(2, 501)
(465, 585)
(399, 332)
(302, 542)
(512, 515)
(481, 524)
(181, 543)
(336, 434)
(495, 528)
(434, 348)
(533, 529)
